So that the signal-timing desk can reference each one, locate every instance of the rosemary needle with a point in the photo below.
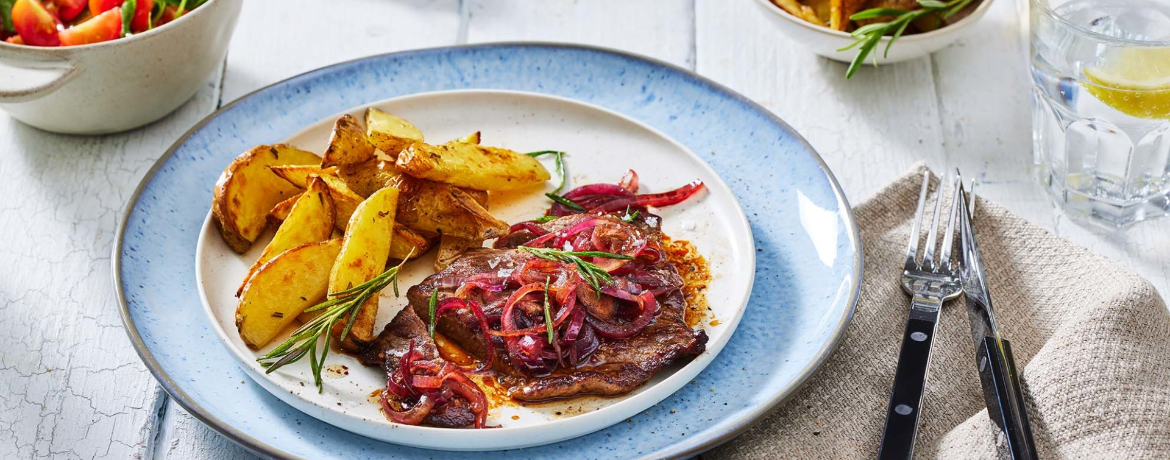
(589, 271)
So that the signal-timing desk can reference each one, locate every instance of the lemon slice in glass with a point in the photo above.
(1135, 81)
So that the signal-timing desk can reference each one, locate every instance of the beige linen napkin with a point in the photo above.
(1093, 341)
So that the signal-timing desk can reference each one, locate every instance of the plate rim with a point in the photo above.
(256, 446)
(714, 347)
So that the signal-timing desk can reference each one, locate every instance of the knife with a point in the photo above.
(993, 353)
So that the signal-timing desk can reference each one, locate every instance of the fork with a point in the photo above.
(930, 282)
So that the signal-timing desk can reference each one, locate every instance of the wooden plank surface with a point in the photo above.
(869, 129)
(71, 386)
(662, 29)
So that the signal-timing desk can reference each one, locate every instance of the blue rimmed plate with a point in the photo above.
(808, 253)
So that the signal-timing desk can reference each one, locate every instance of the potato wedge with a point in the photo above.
(298, 175)
(363, 256)
(450, 248)
(348, 144)
(472, 138)
(283, 288)
(426, 206)
(367, 177)
(310, 220)
(447, 210)
(408, 243)
(390, 133)
(280, 212)
(247, 189)
(472, 166)
(794, 8)
(841, 10)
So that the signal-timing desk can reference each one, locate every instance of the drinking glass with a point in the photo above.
(1101, 106)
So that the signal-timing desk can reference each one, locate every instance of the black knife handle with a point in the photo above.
(1006, 407)
(906, 397)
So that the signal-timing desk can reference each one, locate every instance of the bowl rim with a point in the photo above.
(971, 18)
(55, 50)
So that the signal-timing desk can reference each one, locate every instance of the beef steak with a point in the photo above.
(616, 367)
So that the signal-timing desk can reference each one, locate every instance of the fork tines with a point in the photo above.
(929, 263)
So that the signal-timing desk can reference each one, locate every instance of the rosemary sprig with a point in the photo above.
(590, 272)
(565, 202)
(548, 324)
(869, 35)
(433, 305)
(305, 339)
(560, 162)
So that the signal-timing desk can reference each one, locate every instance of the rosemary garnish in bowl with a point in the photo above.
(869, 35)
(306, 338)
(590, 272)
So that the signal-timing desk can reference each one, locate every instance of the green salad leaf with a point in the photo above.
(6, 15)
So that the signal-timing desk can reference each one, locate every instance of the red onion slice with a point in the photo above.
(412, 416)
(612, 330)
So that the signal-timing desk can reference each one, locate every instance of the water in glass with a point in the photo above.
(1101, 106)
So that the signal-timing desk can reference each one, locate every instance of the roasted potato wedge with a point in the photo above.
(427, 206)
(406, 241)
(447, 210)
(309, 220)
(344, 199)
(284, 287)
(298, 175)
(281, 210)
(248, 189)
(472, 138)
(390, 133)
(841, 10)
(801, 11)
(472, 166)
(363, 256)
(450, 248)
(368, 177)
(348, 144)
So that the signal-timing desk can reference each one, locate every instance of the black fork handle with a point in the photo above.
(909, 384)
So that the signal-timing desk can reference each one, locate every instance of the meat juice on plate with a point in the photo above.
(1101, 106)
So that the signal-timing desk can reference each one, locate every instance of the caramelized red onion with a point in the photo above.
(579, 315)
(429, 384)
(647, 307)
(606, 198)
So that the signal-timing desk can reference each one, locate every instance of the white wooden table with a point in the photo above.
(71, 386)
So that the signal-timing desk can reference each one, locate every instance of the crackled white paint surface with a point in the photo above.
(72, 387)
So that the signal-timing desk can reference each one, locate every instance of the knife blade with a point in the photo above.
(996, 364)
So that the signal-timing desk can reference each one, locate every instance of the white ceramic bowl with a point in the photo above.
(826, 42)
(120, 84)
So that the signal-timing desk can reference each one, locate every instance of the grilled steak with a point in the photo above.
(388, 349)
(617, 365)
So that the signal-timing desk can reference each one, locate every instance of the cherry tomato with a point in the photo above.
(103, 27)
(67, 10)
(97, 7)
(141, 20)
(35, 25)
